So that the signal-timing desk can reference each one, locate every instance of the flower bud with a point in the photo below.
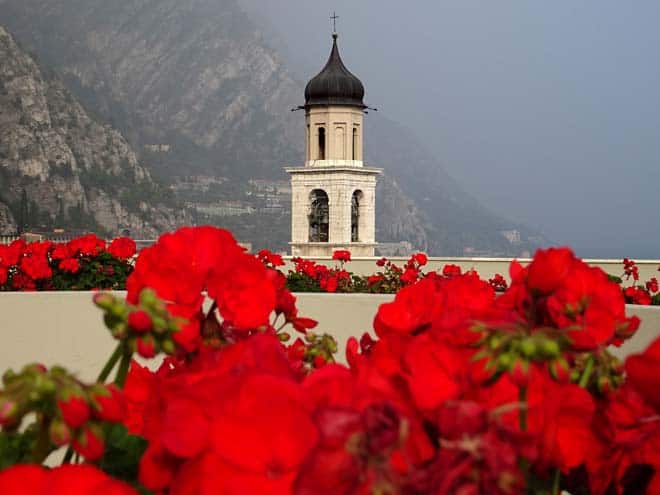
(90, 442)
(146, 346)
(604, 385)
(520, 373)
(626, 329)
(9, 376)
(44, 385)
(284, 337)
(148, 298)
(159, 324)
(140, 321)
(104, 300)
(73, 407)
(168, 346)
(120, 331)
(559, 369)
(108, 403)
(9, 411)
(110, 320)
(549, 348)
(504, 362)
(528, 347)
(119, 310)
(494, 342)
(59, 433)
(35, 369)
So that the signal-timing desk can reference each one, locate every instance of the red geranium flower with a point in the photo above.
(86, 245)
(70, 479)
(269, 258)
(637, 295)
(122, 248)
(74, 408)
(61, 252)
(71, 265)
(10, 255)
(450, 270)
(89, 442)
(341, 255)
(643, 373)
(549, 269)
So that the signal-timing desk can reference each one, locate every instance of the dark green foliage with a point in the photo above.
(298, 282)
(122, 454)
(103, 271)
(15, 448)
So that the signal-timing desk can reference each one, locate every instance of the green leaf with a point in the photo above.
(15, 448)
(122, 454)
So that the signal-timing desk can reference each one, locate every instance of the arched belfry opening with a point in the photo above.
(356, 201)
(319, 216)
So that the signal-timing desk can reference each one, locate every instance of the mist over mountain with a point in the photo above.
(547, 112)
(204, 98)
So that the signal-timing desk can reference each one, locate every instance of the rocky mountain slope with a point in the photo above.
(198, 91)
(58, 166)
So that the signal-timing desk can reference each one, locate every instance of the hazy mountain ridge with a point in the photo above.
(58, 166)
(172, 72)
(197, 90)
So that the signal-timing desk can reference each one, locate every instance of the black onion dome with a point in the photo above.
(334, 85)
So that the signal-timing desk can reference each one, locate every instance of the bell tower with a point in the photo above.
(334, 193)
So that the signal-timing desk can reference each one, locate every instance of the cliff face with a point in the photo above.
(58, 166)
(198, 91)
(193, 74)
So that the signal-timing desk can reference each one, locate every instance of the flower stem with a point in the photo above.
(522, 417)
(586, 374)
(122, 371)
(522, 412)
(109, 366)
(67, 456)
(556, 482)
(43, 447)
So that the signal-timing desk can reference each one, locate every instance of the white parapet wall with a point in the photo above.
(486, 267)
(66, 328)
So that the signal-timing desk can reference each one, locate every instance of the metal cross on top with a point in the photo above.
(334, 18)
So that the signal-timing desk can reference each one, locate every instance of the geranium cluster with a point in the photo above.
(637, 293)
(68, 411)
(81, 264)
(460, 392)
(309, 276)
(194, 263)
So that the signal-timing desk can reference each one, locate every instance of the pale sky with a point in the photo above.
(549, 112)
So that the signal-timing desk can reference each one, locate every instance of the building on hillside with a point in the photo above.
(513, 235)
(333, 195)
